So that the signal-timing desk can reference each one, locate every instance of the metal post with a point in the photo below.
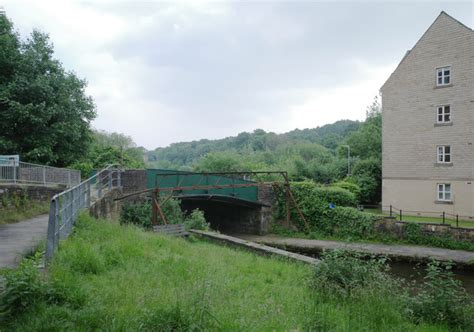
(390, 210)
(119, 178)
(444, 217)
(457, 221)
(14, 174)
(154, 207)
(99, 184)
(44, 175)
(57, 221)
(69, 178)
(50, 242)
(287, 201)
(401, 215)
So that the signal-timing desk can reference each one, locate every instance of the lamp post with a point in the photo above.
(348, 159)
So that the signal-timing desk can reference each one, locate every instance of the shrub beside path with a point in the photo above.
(21, 238)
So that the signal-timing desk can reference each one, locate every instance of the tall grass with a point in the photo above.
(112, 277)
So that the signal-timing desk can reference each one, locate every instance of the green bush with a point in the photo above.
(22, 289)
(314, 203)
(350, 186)
(196, 220)
(348, 222)
(343, 271)
(137, 214)
(140, 214)
(441, 298)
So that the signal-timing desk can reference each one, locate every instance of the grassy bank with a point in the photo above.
(111, 277)
(12, 214)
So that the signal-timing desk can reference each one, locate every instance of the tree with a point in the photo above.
(367, 174)
(45, 113)
(366, 142)
(110, 148)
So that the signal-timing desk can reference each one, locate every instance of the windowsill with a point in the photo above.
(443, 164)
(443, 124)
(444, 202)
(443, 86)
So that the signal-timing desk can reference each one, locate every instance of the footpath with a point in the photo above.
(21, 238)
(400, 252)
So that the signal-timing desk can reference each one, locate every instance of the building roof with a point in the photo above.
(442, 14)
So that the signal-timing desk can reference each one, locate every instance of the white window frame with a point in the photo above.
(444, 192)
(441, 74)
(441, 154)
(443, 113)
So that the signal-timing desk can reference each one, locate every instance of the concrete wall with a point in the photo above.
(106, 207)
(410, 132)
(35, 193)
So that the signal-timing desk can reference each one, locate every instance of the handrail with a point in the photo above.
(65, 206)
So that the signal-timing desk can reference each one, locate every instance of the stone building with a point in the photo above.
(428, 123)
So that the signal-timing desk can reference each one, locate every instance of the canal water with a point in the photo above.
(414, 272)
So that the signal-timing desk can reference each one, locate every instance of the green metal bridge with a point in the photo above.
(230, 187)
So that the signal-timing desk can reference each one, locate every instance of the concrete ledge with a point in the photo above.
(259, 248)
(461, 258)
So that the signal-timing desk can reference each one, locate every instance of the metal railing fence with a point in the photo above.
(65, 206)
(442, 217)
(26, 173)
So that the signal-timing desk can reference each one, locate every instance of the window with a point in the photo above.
(444, 114)
(444, 154)
(444, 192)
(443, 76)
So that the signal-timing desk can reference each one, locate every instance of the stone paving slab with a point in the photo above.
(414, 253)
(21, 238)
(260, 248)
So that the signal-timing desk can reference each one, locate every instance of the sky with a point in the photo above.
(165, 72)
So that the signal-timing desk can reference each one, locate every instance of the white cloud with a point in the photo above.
(164, 72)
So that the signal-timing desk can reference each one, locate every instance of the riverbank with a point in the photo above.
(111, 277)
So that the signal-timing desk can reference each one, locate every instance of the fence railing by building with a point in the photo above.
(66, 205)
(26, 173)
(442, 217)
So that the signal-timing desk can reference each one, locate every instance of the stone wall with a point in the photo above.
(107, 207)
(397, 229)
(35, 193)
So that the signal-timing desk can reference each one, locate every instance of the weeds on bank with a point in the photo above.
(349, 276)
(112, 277)
(15, 207)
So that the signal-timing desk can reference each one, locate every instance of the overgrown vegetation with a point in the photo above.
(440, 298)
(330, 211)
(112, 277)
(16, 206)
(139, 213)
